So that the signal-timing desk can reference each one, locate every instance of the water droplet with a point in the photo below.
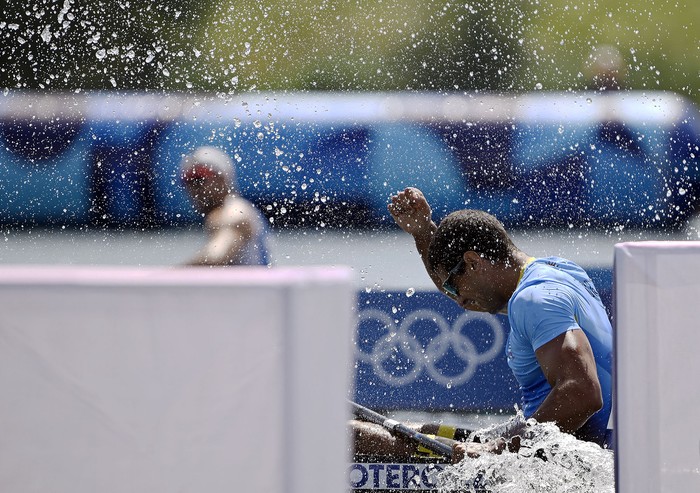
(568, 464)
(46, 34)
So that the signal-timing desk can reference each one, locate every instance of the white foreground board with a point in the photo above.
(657, 290)
(164, 380)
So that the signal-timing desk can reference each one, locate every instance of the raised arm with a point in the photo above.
(412, 213)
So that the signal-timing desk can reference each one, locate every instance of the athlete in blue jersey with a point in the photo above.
(555, 296)
(237, 231)
(560, 343)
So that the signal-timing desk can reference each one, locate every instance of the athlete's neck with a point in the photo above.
(519, 261)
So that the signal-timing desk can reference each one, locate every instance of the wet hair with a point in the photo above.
(469, 230)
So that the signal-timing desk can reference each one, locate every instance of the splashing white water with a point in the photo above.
(548, 461)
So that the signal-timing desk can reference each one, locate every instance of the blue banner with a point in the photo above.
(388, 476)
(624, 159)
(425, 352)
(422, 351)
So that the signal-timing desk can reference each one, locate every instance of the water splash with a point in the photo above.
(548, 461)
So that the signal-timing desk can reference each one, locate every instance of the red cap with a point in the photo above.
(197, 172)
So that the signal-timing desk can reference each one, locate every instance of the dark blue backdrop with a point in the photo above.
(424, 352)
(535, 160)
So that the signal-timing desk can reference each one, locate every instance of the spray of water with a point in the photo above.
(548, 461)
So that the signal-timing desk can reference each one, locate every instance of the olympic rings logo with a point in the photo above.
(401, 340)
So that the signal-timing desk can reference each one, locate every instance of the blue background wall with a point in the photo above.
(546, 160)
(423, 352)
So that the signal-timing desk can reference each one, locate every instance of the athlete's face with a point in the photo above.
(473, 285)
(207, 191)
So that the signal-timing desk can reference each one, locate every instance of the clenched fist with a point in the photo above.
(412, 212)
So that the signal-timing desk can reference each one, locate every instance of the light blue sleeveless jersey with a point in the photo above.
(554, 296)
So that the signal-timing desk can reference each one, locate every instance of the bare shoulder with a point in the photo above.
(236, 212)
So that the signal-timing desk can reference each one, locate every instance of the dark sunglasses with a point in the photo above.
(448, 286)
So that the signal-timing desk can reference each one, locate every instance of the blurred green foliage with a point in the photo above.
(236, 46)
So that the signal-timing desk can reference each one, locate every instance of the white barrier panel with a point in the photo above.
(657, 290)
(164, 380)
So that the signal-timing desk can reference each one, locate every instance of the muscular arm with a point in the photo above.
(230, 230)
(412, 213)
(223, 247)
(373, 439)
(569, 366)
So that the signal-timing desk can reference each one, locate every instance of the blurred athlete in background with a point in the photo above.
(605, 69)
(237, 230)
